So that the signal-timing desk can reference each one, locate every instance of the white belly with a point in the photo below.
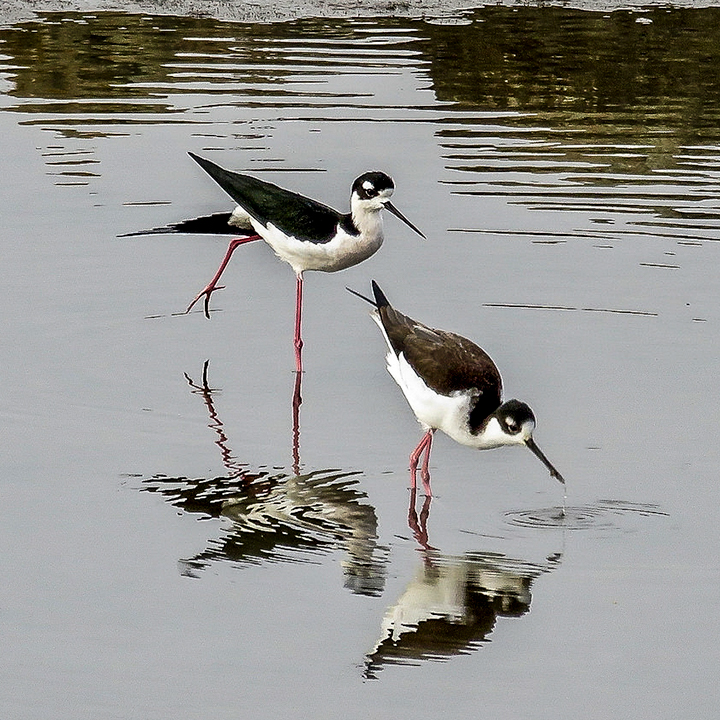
(448, 413)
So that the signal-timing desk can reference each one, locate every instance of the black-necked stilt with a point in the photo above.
(451, 385)
(303, 232)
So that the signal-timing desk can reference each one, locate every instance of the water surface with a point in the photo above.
(188, 533)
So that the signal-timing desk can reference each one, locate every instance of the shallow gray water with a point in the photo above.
(182, 540)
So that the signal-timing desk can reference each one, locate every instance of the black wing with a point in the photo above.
(445, 361)
(448, 362)
(293, 214)
(217, 224)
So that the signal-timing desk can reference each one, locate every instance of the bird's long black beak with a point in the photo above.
(541, 456)
(398, 214)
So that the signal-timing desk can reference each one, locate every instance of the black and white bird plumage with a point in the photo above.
(303, 232)
(451, 384)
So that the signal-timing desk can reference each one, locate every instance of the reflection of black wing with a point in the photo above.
(217, 224)
(266, 203)
(281, 518)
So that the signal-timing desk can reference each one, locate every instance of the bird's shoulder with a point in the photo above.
(294, 214)
(446, 362)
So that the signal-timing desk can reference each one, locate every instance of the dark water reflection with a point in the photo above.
(600, 112)
(550, 108)
(662, 74)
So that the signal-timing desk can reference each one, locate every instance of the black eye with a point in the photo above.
(511, 425)
(368, 190)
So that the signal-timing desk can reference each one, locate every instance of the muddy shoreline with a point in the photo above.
(16, 11)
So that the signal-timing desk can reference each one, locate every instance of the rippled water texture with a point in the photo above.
(601, 515)
(190, 530)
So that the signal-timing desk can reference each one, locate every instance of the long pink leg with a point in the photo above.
(425, 472)
(424, 445)
(298, 323)
(212, 286)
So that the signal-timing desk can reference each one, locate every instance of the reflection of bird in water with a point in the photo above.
(451, 605)
(321, 509)
(216, 424)
(303, 232)
(452, 385)
(275, 516)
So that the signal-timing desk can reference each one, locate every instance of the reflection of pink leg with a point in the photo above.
(235, 468)
(298, 324)
(425, 477)
(419, 527)
(296, 403)
(211, 287)
(424, 445)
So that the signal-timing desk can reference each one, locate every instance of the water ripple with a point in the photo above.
(604, 514)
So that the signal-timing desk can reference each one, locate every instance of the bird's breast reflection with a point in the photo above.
(452, 602)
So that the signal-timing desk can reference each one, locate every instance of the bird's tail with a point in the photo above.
(380, 300)
(380, 317)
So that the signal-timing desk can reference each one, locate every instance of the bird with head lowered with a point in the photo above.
(452, 385)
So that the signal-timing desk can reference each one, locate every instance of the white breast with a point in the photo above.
(448, 413)
(341, 252)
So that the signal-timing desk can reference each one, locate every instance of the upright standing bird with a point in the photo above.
(451, 385)
(303, 232)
